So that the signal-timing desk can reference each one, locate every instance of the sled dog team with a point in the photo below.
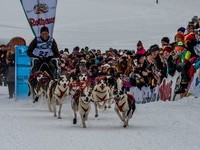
(83, 93)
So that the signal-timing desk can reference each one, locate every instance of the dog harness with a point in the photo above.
(85, 110)
(61, 93)
(102, 99)
(121, 106)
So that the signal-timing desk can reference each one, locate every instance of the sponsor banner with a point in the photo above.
(167, 87)
(155, 94)
(166, 90)
(138, 95)
(145, 94)
(40, 13)
(195, 85)
(22, 72)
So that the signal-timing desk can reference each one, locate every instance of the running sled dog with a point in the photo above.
(81, 105)
(100, 95)
(81, 99)
(124, 106)
(57, 92)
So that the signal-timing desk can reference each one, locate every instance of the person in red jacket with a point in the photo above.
(140, 48)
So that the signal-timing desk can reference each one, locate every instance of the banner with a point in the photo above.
(40, 13)
(168, 86)
(145, 94)
(195, 85)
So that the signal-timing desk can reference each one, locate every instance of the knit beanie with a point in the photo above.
(165, 39)
(180, 35)
(44, 29)
(181, 29)
(167, 49)
(139, 43)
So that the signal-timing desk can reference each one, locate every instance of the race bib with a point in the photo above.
(43, 49)
(42, 52)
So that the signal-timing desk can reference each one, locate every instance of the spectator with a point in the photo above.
(171, 66)
(181, 30)
(165, 42)
(10, 73)
(3, 64)
(140, 48)
(160, 66)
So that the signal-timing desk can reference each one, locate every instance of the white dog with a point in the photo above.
(100, 95)
(57, 92)
(124, 106)
(81, 83)
(81, 104)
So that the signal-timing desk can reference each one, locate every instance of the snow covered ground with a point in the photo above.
(154, 126)
(102, 24)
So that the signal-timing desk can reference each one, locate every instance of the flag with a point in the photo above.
(40, 13)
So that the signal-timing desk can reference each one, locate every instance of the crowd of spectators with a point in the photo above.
(143, 67)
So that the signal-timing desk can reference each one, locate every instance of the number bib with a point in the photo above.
(42, 52)
(43, 49)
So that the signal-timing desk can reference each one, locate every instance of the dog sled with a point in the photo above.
(39, 79)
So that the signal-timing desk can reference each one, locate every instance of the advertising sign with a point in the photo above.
(22, 72)
(40, 13)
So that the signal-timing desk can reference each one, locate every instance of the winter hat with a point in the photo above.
(92, 52)
(77, 48)
(181, 29)
(195, 19)
(153, 48)
(190, 26)
(147, 53)
(179, 47)
(139, 43)
(167, 49)
(189, 37)
(180, 35)
(44, 29)
(66, 51)
(165, 40)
